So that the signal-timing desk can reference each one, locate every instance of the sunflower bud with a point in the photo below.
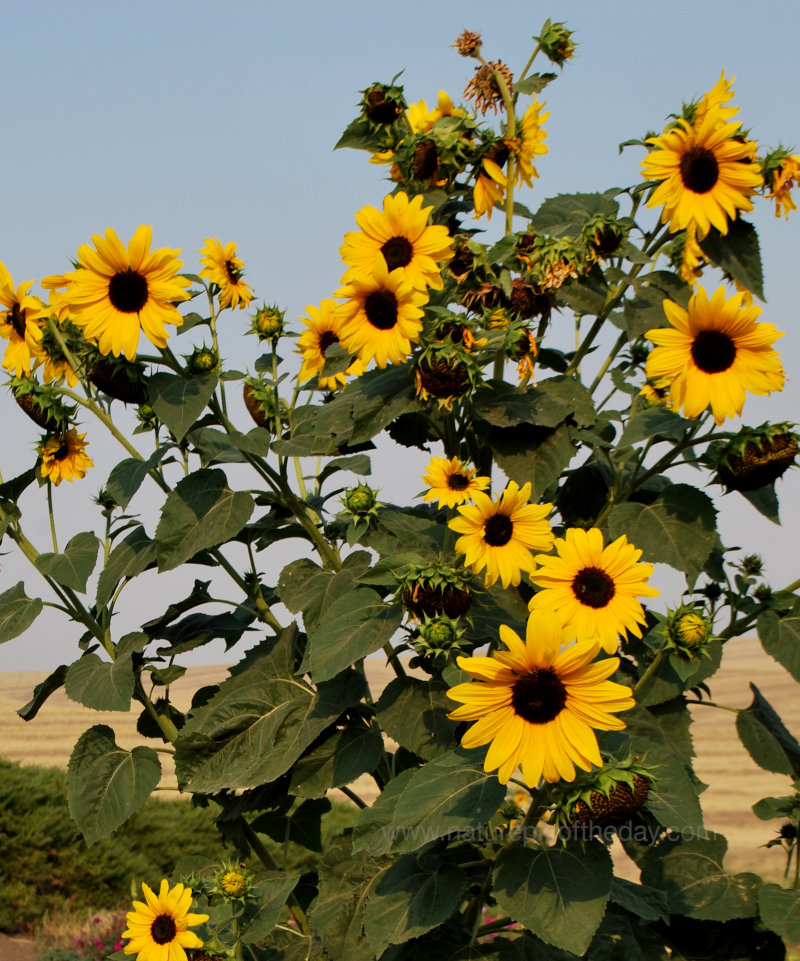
(688, 630)
(147, 417)
(267, 323)
(439, 638)
(556, 42)
(233, 882)
(361, 500)
(202, 360)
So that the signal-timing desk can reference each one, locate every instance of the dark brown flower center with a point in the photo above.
(699, 170)
(713, 351)
(539, 696)
(381, 309)
(62, 452)
(17, 318)
(426, 160)
(458, 482)
(397, 252)
(163, 929)
(593, 587)
(233, 272)
(326, 340)
(498, 530)
(127, 291)
(498, 153)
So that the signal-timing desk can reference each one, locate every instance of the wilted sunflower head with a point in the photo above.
(485, 88)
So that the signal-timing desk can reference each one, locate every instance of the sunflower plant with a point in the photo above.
(523, 787)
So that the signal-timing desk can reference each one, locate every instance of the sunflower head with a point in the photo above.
(781, 175)
(64, 457)
(605, 798)
(259, 399)
(225, 271)
(485, 88)
(159, 926)
(538, 703)
(267, 322)
(446, 371)
(756, 457)
(655, 393)
(714, 352)
(44, 407)
(451, 481)
(468, 43)
(431, 590)
(361, 501)
(147, 417)
(382, 103)
(319, 344)
(233, 881)
(594, 587)
(116, 377)
(20, 325)
(604, 236)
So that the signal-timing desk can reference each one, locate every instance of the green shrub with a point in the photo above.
(45, 864)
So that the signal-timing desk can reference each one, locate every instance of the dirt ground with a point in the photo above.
(17, 949)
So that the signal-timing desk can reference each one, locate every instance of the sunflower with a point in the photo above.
(539, 704)
(451, 481)
(500, 535)
(63, 457)
(398, 237)
(157, 930)
(19, 325)
(713, 353)
(594, 589)
(323, 326)
(118, 293)
(225, 269)
(489, 189)
(421, 120)
(707, 173)
(382, 315)
(784, 179)
(531, 143)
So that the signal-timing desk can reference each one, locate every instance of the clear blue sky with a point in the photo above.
(208, 119)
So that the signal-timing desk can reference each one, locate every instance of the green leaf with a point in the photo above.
(217, 446)
(42, 691)
(106, 784)
(302, 825)
(780, 638)
(130, 557)
(201, 512)
(558, 893)
(409, 898)
(337, 913)
(767, 741)
(339, 760)
(690, 873)
(547, 404)
(101, 685)
(653, 422)
(765, 501)
(645, 902)
(373, 829)
(304, 586)
(565, 215)
(414, 713)
(256, 726)
(536, 454)
(738, 254)
(678, 529)
(126, 478)
(773, 807)
(270, 895)
(17, 612)
(178, 402)
(534, 83)
(450, 793)
(356, 624)
(672, 799)
(358, 464)
(780, 911)
(73, 567)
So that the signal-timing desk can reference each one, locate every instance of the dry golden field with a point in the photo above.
(735, 781)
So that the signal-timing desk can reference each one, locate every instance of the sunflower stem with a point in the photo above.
(652, 667)
(529, 64)
(52, 516)
(722, 707)
(215, 344)
(359, 803)
(266, 859)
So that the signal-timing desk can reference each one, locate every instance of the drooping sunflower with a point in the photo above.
(593, 588)
(539, 703)
(382, 315)
(399, 237)
(714, 352)
(452, 481)
(64, 457)
(119, 293)
(489, 189)
(499, 535)
(323, 326)
(784, 179)
(19, 325)
(223, 268)
(158, 930)
(531, 142)
(708, 174)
